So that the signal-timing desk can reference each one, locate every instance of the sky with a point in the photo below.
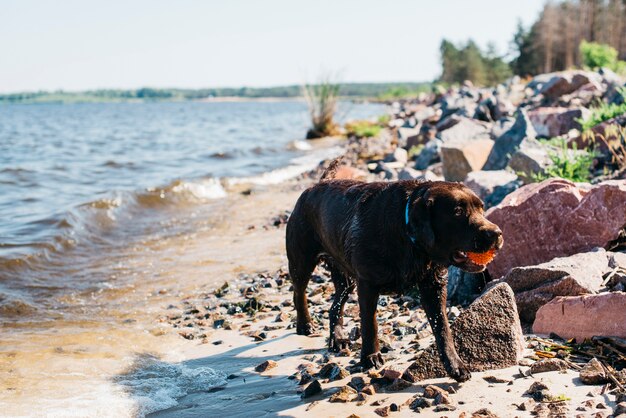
(78, 44)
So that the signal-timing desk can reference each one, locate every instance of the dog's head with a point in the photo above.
(448, 221)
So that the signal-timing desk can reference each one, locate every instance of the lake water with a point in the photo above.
(90, 194)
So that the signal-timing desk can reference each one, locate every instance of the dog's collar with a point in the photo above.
(406, 220)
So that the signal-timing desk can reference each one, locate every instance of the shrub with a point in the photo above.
(614, 137)
(603, 113)
(596, 55)
(322, 102)
(363, 128)
(567, 165)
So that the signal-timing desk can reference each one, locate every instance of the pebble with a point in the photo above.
(266, 365)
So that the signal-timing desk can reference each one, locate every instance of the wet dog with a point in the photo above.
(386, 237)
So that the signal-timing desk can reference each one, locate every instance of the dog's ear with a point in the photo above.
(422, 221)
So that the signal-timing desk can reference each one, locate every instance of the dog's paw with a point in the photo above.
(460, 373)
(305, 329)
(372, 361)
(338, 340)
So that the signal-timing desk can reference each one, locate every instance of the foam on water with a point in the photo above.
(155, 385)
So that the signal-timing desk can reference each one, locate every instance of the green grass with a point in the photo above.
(603, 113)
(363, 129)
(575, 167)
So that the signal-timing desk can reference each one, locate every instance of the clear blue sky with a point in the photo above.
(80, 44)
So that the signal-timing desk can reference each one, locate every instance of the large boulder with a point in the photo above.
(583, 317)
(429, 154)
(556, 218)
(465, 129)
(483, 183)
(554, 121)
(461, 156)
(555, 85)
(509, 142)
(579, 274)
(487, 335)
(531, 158)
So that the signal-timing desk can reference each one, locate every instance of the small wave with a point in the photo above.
(156, 385)
(15, 307)
(298, 145)
(296, 167)
(180, 192)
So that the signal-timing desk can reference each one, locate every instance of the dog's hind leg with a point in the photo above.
(343, 287)
(303, 254)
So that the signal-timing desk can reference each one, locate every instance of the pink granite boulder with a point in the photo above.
(554, 121)
(556, 218)
(583, 317)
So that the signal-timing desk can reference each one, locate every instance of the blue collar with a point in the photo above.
(406, 220)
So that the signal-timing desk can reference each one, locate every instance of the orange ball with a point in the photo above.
(482, 258)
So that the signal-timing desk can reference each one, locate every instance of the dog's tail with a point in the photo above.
(331, 170)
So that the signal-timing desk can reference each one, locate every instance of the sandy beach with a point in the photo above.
(267, 334)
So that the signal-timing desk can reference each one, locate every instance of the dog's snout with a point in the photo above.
(493, 235)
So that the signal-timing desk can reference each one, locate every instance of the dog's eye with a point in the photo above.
(459, 211)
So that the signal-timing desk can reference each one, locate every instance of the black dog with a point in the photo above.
(386, 237)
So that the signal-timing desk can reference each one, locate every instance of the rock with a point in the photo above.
(432, 391)
(461, 156)
(429, 154)
(583, 317)
(483, 183)
(620, 408)
(417, 402)
(369, 390)
(391, 373)
(399, 155)
(534, 286)
(444, 408)
(457, 105)
(531, 158)
(487, 335)
(383, 411)
(555, 85)
(408, 136)
(506, 144)
(442, 399)
(465, 129)
(398, 385)
(483, 413)
(556, 218)
(344, 394)
(593, 373)
(313, 389)
(527, 405)
(500, 192)
(282, 317)
(464, 287)
(548, 365)
(333, 371)
(408, 173)
(555, 121)
(357, 383)
(539, 392)
(266, 365)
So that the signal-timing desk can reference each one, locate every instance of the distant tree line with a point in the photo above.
(350, 90)
(567, 34)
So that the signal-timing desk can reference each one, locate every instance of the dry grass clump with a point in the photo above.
(322, 100)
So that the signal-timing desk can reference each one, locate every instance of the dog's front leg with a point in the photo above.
(370, 351)
(433, 294)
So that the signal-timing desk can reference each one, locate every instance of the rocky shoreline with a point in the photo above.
(561, 273)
